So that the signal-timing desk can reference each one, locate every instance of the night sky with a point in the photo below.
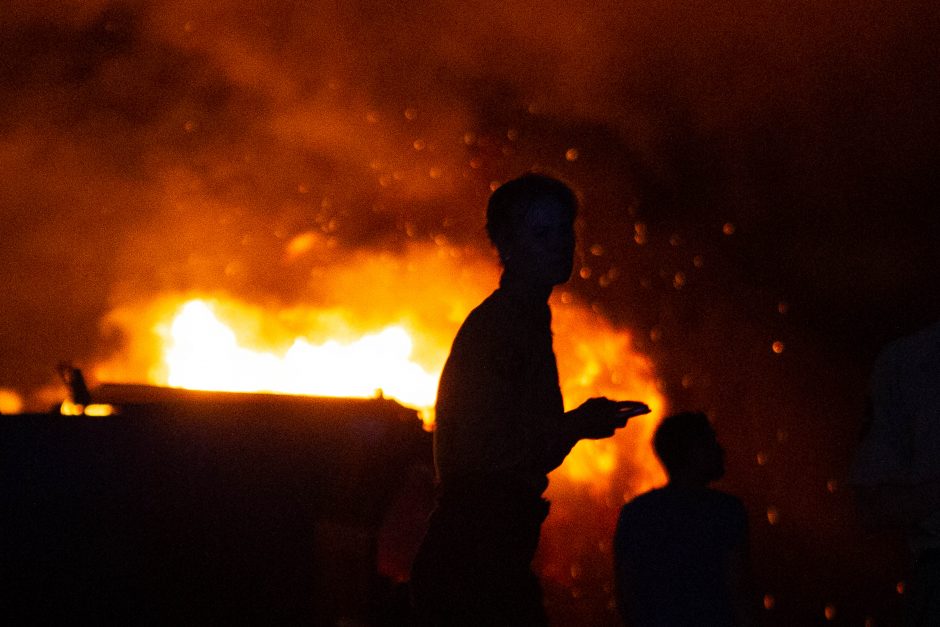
(754, 172)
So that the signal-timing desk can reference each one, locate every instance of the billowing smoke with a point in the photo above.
(171, 145)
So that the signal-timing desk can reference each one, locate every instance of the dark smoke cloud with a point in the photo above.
(166, 145)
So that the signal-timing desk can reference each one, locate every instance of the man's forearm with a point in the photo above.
(565, 439)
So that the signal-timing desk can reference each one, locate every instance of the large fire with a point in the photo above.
(203, 353)
(219, 342)
(371, 324)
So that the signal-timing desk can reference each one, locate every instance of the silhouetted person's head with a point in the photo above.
(530, 220)
(686, 445)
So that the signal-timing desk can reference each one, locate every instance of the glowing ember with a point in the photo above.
(94, 410)
(10, 402)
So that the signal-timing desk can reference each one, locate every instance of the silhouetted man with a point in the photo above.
(896, 474)
(501, 426)
(680, 552)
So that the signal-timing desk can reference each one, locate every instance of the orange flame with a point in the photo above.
(204, 353)
(10, 402)
(382, 342)
(594, 359)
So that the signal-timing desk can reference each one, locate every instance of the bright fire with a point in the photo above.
(389, 336)
(10, 402)
(204, 353)
(386, 322)
(201, 351)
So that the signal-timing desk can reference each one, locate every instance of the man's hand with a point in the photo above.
(600, 417)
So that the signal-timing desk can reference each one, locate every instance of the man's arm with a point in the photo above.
(595, 419)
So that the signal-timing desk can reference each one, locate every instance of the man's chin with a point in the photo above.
(564, 277)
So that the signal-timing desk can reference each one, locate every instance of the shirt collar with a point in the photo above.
(526, 298)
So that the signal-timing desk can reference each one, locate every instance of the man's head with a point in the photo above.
(686, 445)
(530, 220)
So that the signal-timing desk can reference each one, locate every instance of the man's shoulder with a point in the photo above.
(724, 498)
(648, 498)
(493, 306)
(915, 347)
(668, 498)
(639, 505)
(729, 504)
(491, 318)
(928, 336)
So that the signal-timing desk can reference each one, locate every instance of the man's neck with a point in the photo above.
(687, 483)
(526, 289)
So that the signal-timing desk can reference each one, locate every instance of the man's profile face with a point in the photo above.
(712, 457)
(543, 250)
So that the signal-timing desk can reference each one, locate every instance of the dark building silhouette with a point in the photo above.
(211, 508)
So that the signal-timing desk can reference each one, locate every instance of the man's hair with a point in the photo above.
(677, 435)
(507, 207)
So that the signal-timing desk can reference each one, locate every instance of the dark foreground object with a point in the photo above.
(207, 508)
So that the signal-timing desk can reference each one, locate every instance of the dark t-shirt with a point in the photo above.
(499, 408)
(498, 433)
(672, 549)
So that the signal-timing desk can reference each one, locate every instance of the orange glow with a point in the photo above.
(301, 244)
(203, 353)
(10, 402)
(68, 408)
(594, 359)
(94, 410)
(391, 338)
